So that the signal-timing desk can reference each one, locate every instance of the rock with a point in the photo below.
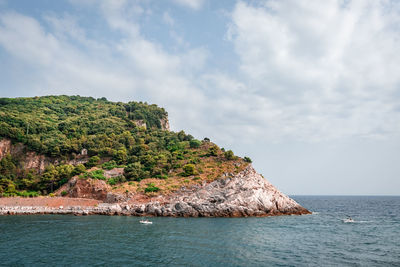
(244, 194)
(241, 195)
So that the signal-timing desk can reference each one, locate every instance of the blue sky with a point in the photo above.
(310, 90)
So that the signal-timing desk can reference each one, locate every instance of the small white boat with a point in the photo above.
(348, 220)
(146, 222)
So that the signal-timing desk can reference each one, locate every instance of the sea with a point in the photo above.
(321, 239)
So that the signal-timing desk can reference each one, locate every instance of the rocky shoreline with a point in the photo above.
(233, 195)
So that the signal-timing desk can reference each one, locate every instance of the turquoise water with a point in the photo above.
(321, 239)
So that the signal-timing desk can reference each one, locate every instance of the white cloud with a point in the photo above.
(326, 69)
(307, 70)
(193, 4)
(168, 19)
(130, 68)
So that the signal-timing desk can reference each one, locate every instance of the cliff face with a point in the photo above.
(32, 160)
(244, 194)
(29, 159)
(165, 124)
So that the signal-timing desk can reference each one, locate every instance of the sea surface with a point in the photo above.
(320, 239)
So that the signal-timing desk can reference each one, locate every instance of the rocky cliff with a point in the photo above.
(32, 160)
(244, 194)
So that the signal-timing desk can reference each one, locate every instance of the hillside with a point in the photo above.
(45, 141)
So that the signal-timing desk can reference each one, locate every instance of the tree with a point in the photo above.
(194, 143)
(80, 168)
(134, 172)
(120, 156)
(93, 161)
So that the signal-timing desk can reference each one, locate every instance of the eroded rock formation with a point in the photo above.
(244, 194)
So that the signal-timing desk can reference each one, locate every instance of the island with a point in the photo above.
(81, 155)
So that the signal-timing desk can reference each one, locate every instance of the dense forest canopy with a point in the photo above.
(114, 134)
(61, 125)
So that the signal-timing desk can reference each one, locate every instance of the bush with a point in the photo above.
(189, 169)
(213, 151)
(151, 187)
(80, 168)
(115, 180)
(194, 143)
(134, 172)
(112, 181)
(247, 159)
(229, 155)
(93, 161)
(109, 165)
(27, 194)
(97, 174)
(64, 193)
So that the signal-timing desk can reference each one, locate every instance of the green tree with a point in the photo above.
(134, 172)
(194, 143)
(80, 168)
(93, 161)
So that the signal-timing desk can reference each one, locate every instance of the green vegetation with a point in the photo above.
(115, 180)
(189, 169)
(247, 159)
(151, 187)
(105, 135)
(96, 174)
(229, 155)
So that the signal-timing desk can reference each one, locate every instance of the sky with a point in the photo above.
(309, 90)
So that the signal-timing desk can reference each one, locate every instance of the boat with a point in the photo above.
(145, 222)
(348, 220)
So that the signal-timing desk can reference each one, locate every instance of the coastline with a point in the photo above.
(59, 205)
(246, 194)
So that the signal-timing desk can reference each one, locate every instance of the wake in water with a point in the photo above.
(351, 220)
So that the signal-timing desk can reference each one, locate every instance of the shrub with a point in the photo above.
(112, 181)
(109, 165)
(64, 193)
(189, 169)
(247, 159)
(194, 143)
(80, 168)
(151, 187)
(229, 155)
(134, 171)
(160, 176)
(97, 174)
(213, 151)
(93, 161)
(27, 193)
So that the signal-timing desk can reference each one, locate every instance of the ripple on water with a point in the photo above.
(320, 239)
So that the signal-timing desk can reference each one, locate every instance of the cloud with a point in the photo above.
(323, 69)
(168, 19)
(66, 61)
(306, 71)
(193, 4)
